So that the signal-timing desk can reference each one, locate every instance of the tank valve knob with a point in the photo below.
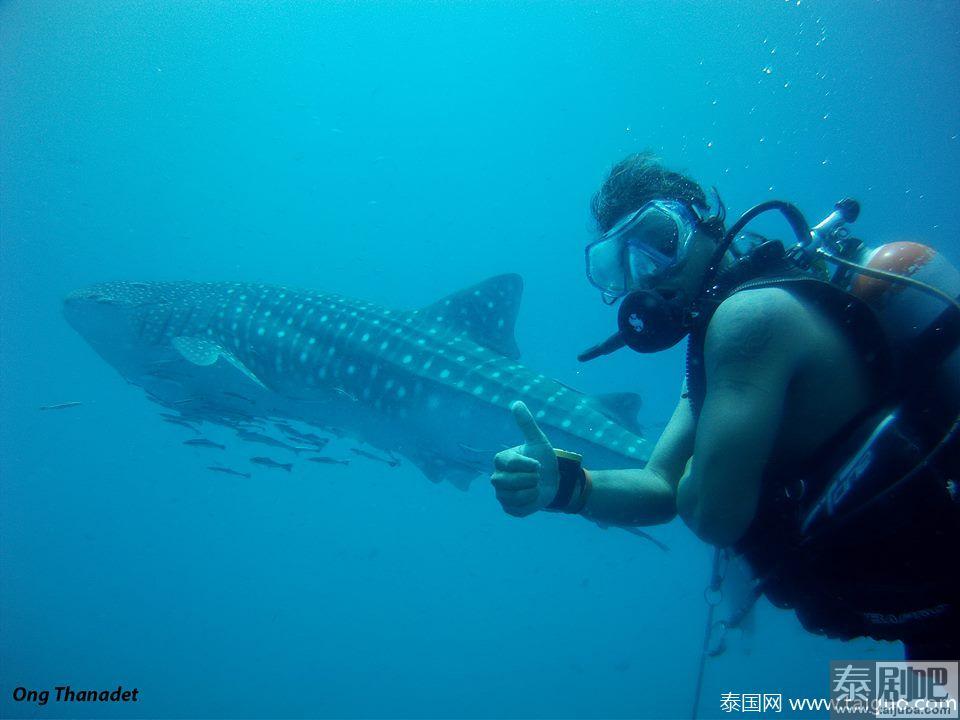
(849, 209)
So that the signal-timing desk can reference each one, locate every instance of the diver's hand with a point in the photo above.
(526, 477)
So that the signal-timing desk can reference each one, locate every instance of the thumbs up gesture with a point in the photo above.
(526, 477)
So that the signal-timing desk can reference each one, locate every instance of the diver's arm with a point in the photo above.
(645, 496)
(752, 350)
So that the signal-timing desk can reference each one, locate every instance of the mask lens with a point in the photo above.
(605, 268)
(642, 266)
(659, 232)
(638, 248)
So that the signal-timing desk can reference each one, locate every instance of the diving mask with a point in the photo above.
(641, 247)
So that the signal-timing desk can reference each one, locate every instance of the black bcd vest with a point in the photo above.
(880, 574)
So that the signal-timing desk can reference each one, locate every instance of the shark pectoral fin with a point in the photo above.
(197, 350)
(487, 312)
(230, 358)
(206, 352)
(622, 408)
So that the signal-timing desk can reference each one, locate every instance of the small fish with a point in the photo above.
(221, 414)
(203, 442)
(227, 471)
(60, 406)
(155, 399)
(165, 374)
(392, 461)
(174, 420)
(313, 445)
(328, 460)
(239, 397)
(269, 462)
(251, 436)
(171, 416)
(307, 437)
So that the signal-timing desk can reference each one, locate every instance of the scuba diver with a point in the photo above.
(815, 436)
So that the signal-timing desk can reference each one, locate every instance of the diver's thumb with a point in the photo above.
(532, 433)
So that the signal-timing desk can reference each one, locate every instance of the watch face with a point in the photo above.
(567, 455)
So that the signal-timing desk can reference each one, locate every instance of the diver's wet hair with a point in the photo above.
(638, 179)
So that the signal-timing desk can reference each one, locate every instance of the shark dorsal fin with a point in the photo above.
(622, 408)
(487, 312)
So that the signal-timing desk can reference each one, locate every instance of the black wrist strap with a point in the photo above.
(572, 479)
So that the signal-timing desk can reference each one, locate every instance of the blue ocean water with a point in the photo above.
(396, 152)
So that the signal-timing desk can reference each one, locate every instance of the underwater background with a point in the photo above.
(396, 152)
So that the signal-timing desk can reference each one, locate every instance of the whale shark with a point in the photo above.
(433, 384)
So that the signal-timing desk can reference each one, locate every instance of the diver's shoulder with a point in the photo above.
(758, 322)
(760, 305)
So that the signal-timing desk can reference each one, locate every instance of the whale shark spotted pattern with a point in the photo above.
(430, 384)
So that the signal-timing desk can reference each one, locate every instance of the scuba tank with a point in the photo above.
(917, 433)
